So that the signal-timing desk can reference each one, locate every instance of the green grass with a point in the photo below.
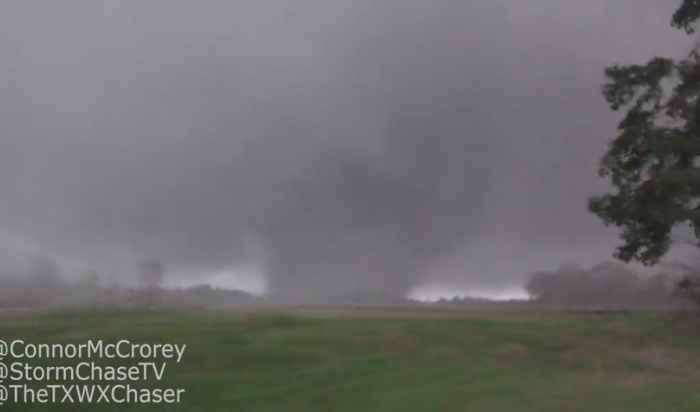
(539, 363)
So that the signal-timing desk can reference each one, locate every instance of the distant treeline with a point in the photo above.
(21, 292)
(44, 286)
(607, 285)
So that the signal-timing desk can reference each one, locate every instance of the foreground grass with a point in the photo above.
(273, 363)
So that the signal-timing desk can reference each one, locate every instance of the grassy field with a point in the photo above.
(282, 363)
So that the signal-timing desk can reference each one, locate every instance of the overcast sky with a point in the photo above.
(350, 145)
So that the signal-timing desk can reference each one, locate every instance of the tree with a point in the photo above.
(653, 163)
(90, 280)
(151, 275)
(44, 280)
(44, 270)
(659, 289)
(607, 285)
(540, 285)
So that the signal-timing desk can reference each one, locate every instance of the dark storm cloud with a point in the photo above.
(359, 142)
